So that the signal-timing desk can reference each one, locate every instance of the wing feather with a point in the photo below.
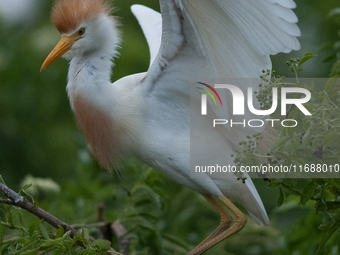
(236, 37)
(151, 24)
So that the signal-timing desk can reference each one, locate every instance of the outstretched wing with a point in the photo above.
(236, 37)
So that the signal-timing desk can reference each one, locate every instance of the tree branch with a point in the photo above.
(22, 202)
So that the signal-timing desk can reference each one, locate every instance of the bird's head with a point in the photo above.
(85, 27)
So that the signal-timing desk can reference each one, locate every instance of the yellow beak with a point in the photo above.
(63, 46)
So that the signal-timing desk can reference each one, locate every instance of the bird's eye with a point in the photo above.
(81, 31)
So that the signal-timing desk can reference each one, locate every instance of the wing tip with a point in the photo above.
(135, 7)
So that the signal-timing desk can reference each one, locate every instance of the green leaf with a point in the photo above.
(273, 184)
(306, 139)
(28, 245)
(67, 235)
(334, 181)
(60, 232)
(26, 186)
(25, 194)
(306, 57)
(2, 234)
(330, 83)
(332, 205)
(101, 245)
(33, 227)
(324, 226)
(85, 236)
(291, 190)
(329, 233)
(305, 124)
(326, 46)
(86, 233)
(2, 180)
(5, 248)
(30, 252)
(307, 192)
(282, 141)
(175, 240)
(320, 206)
(280, 199)
(330, 57)
(149, 216)
(289, 181)
(143, 201)
(334, 92)
(43, 230)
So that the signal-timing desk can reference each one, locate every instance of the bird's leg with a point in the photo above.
(223, 231)
(226, 219)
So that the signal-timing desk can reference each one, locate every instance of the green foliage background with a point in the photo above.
(38, 136)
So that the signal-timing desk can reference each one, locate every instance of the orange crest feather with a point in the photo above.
(67, 15)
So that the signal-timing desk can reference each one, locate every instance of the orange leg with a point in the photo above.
(224, 230)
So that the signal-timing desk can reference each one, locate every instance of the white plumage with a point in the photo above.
(147, 115)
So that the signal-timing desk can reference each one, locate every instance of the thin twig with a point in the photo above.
(117, 229)
(122, 237)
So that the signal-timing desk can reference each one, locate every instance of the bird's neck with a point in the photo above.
(92, 99)
(89, 75)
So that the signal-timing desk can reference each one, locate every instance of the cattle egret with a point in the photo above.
(147, 114)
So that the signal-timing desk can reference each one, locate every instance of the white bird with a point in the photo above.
(147, 114)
